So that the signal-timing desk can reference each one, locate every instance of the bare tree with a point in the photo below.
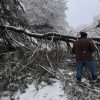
(47, 12)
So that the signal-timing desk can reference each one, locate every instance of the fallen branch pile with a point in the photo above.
(35, 62)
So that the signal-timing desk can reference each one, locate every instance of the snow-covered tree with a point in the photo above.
(12, 13)
(49, 12)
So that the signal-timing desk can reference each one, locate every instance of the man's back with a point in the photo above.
(83, 49)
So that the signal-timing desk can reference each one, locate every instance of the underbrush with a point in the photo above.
(23, 67)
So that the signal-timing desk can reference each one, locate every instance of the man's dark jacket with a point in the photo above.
(83, 49)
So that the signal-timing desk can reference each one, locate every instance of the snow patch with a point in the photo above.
(71, 73)
(45, 92)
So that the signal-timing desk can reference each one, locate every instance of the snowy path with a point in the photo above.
(45, 92)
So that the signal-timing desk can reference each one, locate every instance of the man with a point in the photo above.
(83, 49)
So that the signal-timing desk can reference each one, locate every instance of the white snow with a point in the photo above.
(71, 73)
(4, 98)
(45, 92)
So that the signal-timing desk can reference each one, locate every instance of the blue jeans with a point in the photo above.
(91, 67)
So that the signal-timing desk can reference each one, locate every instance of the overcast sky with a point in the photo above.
(82, 11)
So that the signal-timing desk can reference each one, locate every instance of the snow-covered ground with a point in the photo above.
(45, 92)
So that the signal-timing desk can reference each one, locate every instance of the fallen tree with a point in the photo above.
(48, 35)
(53, 36)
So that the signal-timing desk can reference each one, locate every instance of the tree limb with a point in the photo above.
(48, 35)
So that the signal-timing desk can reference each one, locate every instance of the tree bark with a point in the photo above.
(48, 35)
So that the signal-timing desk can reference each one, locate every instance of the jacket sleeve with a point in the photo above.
(73, 48)
(92, 47)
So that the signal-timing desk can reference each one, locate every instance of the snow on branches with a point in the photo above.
(51, 12)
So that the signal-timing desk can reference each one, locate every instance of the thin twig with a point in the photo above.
(31, 57)
(48, 70)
